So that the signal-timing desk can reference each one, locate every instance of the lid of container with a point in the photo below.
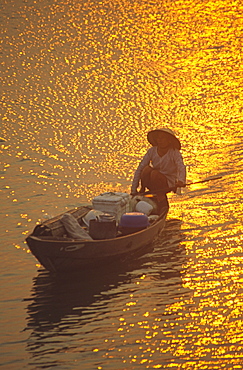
(111, 198)
(106, 217)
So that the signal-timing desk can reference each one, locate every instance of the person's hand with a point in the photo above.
(180, 184)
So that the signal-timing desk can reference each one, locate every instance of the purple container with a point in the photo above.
(132, 222)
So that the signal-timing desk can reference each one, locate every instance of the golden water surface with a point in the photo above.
(82, 83)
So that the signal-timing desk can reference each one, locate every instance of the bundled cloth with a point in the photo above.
(73, 228)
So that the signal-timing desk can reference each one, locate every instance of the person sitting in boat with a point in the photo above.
(162, 167)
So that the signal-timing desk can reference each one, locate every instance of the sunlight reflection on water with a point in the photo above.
(82, 83)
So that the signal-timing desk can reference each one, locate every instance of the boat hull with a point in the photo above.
(64, 254)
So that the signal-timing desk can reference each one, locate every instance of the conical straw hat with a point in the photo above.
(153, 134)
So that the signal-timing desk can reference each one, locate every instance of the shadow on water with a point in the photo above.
(57, 296)
(73, 301)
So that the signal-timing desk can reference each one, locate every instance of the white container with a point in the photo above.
(114, 203)
(144, 207)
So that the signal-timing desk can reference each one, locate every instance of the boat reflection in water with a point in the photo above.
(72, 305)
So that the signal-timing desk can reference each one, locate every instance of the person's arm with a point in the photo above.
(181, 170)
(137, 175)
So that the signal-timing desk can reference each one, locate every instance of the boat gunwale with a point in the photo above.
(68, 240)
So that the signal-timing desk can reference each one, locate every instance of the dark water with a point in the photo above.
(82, 83)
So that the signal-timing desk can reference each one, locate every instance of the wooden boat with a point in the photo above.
(57, 252)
